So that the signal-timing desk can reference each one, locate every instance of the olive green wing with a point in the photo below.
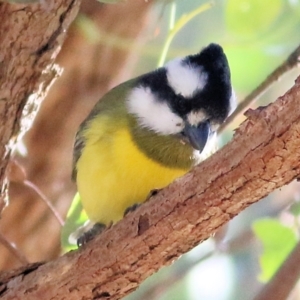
(112, 102)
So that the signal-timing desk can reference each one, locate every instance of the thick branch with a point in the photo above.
(30, 38)
(263, 155)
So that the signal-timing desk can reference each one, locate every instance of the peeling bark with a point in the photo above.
(262, 156)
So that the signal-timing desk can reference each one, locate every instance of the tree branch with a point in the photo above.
(30, 38)
(263, 155)
(291, 62)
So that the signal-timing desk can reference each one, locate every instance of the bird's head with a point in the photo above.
(189, 97)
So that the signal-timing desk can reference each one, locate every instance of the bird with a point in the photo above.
(148, 131)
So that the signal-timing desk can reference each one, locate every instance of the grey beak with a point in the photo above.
(198, 135)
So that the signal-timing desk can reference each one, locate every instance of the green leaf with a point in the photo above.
(251, 18)
(76, 217)
(278, 241)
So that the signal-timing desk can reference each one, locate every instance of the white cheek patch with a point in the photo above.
(153, 114)
(196, 117)
(185, 79)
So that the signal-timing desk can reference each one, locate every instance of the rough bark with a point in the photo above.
(91, 67)
(30, 38)
(262, 156)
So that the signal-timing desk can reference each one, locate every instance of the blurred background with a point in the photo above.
(110, 43)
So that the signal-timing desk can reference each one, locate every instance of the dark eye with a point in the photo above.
(180, 105)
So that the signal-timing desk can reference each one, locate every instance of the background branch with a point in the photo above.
(291, 62)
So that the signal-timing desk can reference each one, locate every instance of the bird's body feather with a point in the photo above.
(150, 130)
(115, 175)
(114, 171)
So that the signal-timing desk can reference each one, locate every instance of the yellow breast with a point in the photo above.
(113, 174)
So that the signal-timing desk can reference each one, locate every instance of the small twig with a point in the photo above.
(13, 249)
(282, 283)
(16, 173)
(178, 25)
(287, 65)
(45, 199)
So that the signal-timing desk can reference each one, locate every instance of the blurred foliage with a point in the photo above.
(263, 34)
(248, 19)
(177, 25)
(76, 218)
(277, 240)
(257, 36)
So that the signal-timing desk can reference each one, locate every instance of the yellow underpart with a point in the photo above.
(113, 174)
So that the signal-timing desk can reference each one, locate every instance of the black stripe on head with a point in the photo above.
(213, 99)
(216, 94)
(158, 83)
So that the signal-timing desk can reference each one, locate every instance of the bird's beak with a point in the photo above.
(197, 135)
